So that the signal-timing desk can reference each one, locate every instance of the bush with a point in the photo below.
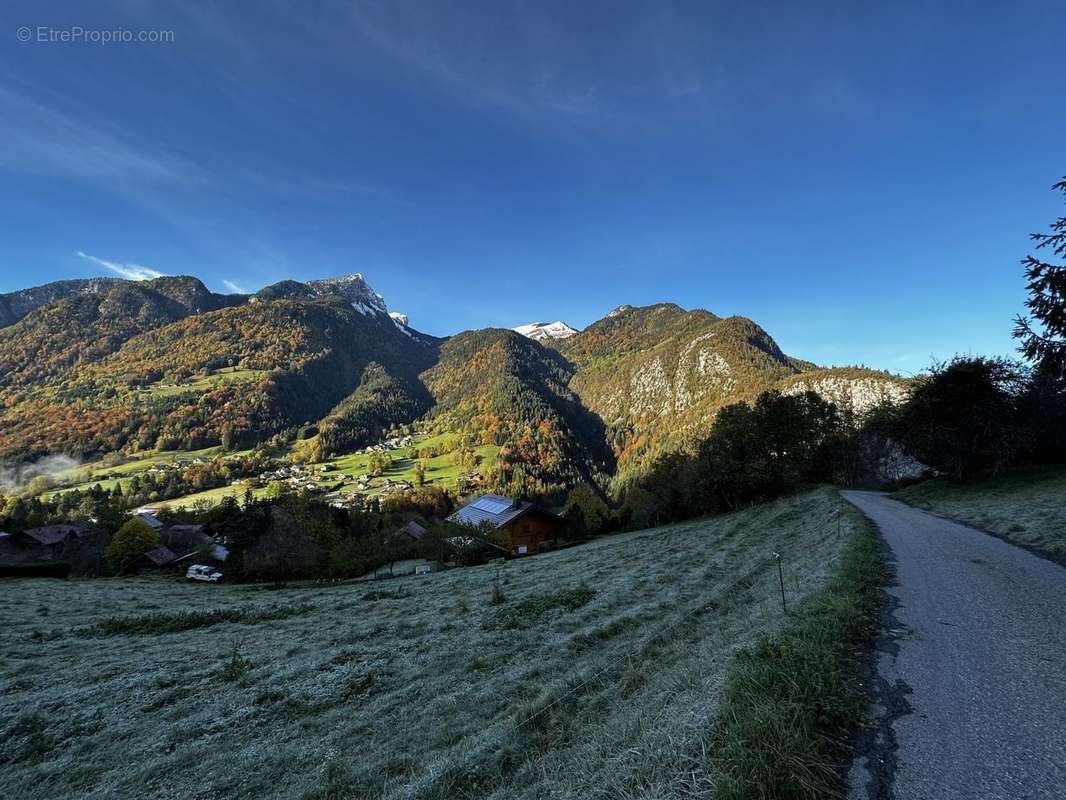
(533, 609)
(497, 598)
(235, 667)
(161, 622)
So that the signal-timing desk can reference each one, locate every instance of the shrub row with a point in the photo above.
(159, 622)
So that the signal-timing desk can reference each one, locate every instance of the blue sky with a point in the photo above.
(860, 179)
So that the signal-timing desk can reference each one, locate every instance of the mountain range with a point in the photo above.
(101, 365)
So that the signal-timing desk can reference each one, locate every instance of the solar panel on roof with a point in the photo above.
(490, 506)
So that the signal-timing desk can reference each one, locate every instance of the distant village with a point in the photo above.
(77, 547)
(351, 491)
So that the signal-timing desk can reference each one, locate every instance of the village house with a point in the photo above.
(389, 485)
(517, 525)
(213, 555)
(192, 544)
(68, 548)
(183, 538)
(412, 531)
(149, 519)
(155, 559)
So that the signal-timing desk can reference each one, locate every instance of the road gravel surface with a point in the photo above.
(970, 683)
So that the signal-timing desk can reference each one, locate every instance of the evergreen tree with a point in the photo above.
(1043, 331)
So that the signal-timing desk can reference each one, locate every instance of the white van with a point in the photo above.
(198, 572)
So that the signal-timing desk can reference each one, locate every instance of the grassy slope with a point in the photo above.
(199, 386)
(791, 703)
(440, 471)
(436, 694)
(212, 497)
(1025, 506)
(91, 474)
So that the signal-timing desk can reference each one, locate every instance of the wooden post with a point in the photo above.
(781, 581)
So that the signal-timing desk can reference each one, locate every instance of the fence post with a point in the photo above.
(781, 581)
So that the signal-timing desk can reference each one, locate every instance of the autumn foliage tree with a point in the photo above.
(586, 510)
(130, 542)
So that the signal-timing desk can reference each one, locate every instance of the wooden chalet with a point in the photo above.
(518, 526)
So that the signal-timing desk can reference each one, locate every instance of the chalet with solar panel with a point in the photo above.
(520, 526)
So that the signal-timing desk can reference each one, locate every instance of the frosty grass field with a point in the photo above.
(1025, 505)
(596, 676)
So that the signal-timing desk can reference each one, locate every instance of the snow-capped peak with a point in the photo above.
(620, 310)
(545, 331)
(355, 290)
(398, 318)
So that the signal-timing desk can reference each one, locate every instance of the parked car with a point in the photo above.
(198, 572)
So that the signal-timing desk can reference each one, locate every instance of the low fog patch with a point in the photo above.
(15, 478)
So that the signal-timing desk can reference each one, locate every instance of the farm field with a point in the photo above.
(202, 385)
(440, 469)
(212, 497)
(85, 476)
(1026, 506)
(594, 674)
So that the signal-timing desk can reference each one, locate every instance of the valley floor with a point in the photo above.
(1025, 506)
(594, 671)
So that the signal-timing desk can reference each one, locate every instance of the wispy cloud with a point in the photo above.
(133, 272)
(234, 287)
(58, 138)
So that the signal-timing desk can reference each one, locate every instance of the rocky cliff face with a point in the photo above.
(851, 389)
(658, 375)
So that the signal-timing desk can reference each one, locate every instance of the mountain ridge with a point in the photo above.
(167, 363)
(17, 304)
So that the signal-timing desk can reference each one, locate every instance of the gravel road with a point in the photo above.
(971, 671)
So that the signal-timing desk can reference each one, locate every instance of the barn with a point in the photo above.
(518, 525)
